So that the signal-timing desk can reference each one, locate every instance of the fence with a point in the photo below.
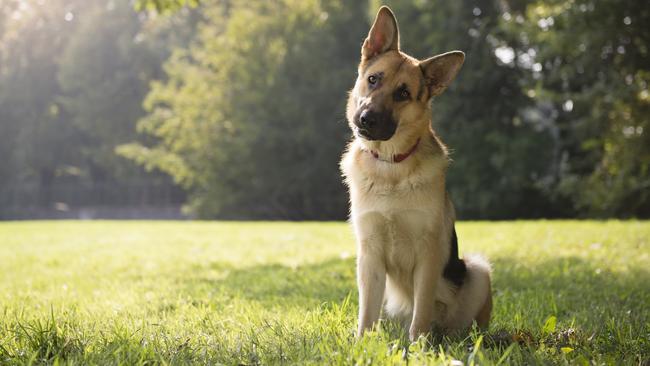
(131, 200)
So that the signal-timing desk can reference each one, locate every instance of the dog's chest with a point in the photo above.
(395, 209)
(399, 226)
(409, 233)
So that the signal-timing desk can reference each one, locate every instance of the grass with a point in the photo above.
(566, 292)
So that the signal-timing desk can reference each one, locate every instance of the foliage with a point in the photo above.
(498, 153)
(242, 103)
(254, 131)
(72, 77)
(591, 61)
(106, 67)
(284, 293)
(163, 6)
(31, 122)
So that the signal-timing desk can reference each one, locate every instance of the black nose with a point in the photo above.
(367, 119)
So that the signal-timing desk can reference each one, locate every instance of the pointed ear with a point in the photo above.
(439, 71)
(383, 36)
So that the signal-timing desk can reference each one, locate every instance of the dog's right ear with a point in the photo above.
(439, 71)
(383, 36)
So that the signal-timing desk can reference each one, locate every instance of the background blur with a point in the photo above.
(235, 109)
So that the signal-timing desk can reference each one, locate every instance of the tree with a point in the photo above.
(592, 65)
(104, 72)
(72, 78)
(499, 153)
(548, 118)
(251, 119)
(34, 129)
(162, 6)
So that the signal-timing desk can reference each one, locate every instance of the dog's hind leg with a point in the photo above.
(483, 316)
(473, 300)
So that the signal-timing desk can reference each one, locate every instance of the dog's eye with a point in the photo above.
(401, 94)
(372, 79)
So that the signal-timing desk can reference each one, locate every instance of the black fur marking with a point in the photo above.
(455, 269)
(401, 94)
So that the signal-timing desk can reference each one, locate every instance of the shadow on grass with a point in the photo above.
(275, 284)
(560, 287)
(598, 311)
(574, 283)
(594, 307)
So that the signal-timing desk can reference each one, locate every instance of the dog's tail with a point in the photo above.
(474, 297)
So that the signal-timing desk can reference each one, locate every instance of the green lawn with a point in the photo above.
(567, 292)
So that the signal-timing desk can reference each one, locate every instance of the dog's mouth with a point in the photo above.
(363, 133)
(374, 135)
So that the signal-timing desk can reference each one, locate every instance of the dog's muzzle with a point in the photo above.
(372, 125)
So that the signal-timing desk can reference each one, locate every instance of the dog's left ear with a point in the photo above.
(383, 36)
(439, 71)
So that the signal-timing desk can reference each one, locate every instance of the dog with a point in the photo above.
(403, 219)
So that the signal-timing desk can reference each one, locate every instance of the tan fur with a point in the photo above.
(400, 212)
(483, 316)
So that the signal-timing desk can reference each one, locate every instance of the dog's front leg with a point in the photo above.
(425, 280)
(371, 279)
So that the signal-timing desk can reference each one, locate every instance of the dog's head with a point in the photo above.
(393, 90)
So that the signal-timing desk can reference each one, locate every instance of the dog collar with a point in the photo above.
(399, 157)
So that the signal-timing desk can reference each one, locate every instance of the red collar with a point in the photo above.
(399, 157)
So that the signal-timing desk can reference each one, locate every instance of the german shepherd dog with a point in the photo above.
(402, 216)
